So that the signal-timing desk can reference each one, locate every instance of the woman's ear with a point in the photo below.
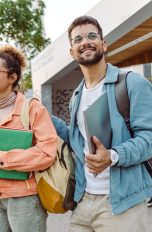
(12, 78)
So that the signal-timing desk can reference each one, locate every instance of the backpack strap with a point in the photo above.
(122, 99)
(25, 113)
(123, 104)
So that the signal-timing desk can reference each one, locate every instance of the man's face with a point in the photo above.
(87, 47)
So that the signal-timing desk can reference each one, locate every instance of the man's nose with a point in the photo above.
(85, 39)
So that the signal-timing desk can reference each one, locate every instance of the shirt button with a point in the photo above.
(1, 163)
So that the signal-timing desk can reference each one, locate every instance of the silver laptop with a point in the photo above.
(97, 122)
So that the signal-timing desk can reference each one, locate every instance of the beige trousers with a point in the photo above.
(93, 214)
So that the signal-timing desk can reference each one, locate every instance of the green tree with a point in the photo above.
(21, 22)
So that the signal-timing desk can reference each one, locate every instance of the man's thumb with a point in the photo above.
(96, 141)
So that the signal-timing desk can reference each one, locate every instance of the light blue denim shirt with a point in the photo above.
(130, 183)
(61, 128)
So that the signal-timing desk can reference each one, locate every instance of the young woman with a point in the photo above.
(20, 208)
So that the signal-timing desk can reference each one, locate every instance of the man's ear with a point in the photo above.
(12, 78)
(104, 46)
(72, 53)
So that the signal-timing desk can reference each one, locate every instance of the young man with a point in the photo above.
(113, 200)
(20, 207)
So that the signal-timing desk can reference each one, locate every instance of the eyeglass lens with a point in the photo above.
(91, 36)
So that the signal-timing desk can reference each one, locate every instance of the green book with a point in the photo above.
(14, 139)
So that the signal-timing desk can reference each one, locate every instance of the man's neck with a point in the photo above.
(94, 74)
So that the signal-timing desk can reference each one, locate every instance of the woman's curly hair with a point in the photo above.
(14, 60)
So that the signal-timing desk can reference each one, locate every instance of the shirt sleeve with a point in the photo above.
(43, 152)
(137, 149)
(61, 128)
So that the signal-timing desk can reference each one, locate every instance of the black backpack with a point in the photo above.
(123, 104)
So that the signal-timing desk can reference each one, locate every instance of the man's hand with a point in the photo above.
(99, 161)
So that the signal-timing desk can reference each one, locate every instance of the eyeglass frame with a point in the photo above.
(4, 71)
(85, 36)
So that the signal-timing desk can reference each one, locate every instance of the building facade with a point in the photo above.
(128, 32)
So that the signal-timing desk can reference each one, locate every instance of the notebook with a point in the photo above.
(97, 122)
(14, 139)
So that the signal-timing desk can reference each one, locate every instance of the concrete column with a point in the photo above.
(46, 96)
(147, 70)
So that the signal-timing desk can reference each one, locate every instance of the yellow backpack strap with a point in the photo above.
(25, 119)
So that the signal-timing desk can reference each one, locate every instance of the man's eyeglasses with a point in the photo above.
(90, 36)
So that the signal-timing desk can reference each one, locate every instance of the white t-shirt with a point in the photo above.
(100, 183)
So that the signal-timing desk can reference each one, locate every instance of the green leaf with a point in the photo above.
(21, 22)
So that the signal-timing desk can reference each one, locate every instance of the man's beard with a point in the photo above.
(97, 57)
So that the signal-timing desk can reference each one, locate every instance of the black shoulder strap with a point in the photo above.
(122, 99)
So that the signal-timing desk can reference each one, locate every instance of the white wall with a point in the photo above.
(56, 56)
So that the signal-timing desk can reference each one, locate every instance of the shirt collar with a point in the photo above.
(111, 77)
(111, 74)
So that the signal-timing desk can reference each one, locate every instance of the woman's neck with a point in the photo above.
(8, 100)
(5, 93)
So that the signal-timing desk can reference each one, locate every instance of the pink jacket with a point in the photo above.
(38, 157)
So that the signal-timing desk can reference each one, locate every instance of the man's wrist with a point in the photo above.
(113, 157)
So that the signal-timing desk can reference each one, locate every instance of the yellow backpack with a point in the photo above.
(56, 184)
